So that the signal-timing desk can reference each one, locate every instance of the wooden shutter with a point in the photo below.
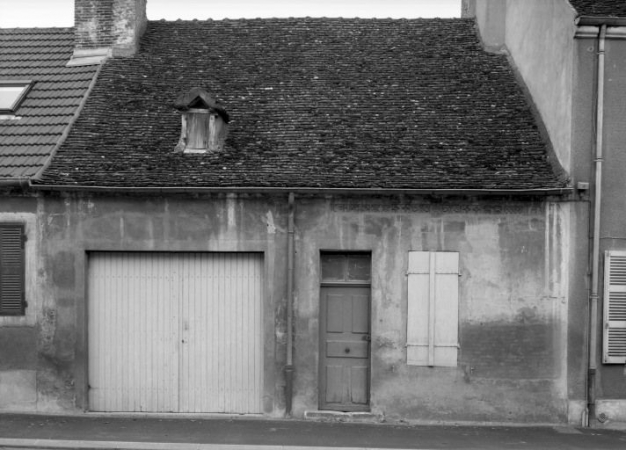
(433, 309)
(11, 270)
(615, 307)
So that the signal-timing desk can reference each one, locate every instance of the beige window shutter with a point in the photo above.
(614, 347)
(433, 309)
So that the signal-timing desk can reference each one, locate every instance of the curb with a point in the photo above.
(53, 444)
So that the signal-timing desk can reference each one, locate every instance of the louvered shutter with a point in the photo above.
(433, 309)
(615, 307)
(11, 270)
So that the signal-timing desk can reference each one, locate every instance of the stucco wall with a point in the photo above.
(513, 304)
(491, 19)
(512, 307)
(539, 38)
(20, 359)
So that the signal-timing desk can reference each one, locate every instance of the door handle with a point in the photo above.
(367, 338)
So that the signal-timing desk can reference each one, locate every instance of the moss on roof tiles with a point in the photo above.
(341, 103)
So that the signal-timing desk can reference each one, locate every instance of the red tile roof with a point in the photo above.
(330, 103)
(40, 55)
(608, 8)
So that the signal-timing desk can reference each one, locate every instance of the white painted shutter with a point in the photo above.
(433, 309)
(615, 307)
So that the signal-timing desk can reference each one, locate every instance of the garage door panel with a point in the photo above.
(133, 331)
(221, 297)
(175, 332)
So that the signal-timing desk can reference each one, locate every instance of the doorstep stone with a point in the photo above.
(338, 416)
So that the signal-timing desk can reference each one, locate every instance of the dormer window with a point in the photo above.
(12, 93)
(204, 122)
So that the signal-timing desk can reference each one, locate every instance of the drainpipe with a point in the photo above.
(595, 248)
(290, 262)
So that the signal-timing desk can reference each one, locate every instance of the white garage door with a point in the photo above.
(175, 332)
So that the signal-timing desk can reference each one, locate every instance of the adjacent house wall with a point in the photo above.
(538, 36)
(491, 19)
(20, 358)
(611, 386)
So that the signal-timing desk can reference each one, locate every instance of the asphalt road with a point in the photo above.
(285, 432)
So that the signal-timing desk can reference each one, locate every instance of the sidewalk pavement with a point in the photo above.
(88, 431)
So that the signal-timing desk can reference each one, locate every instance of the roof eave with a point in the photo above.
(601, 20)
(307, 190)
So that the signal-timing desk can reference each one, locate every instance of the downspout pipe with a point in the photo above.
(595, 246)
(290, 299)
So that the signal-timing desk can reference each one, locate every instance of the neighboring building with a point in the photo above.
(283, 216)
(572, 58)
(39, 100)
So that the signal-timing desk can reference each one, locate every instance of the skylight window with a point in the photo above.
(12, 93)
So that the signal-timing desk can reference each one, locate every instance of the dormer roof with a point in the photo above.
(198, 98)
(319, 103)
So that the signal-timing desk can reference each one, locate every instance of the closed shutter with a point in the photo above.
(615, 307)
(433, 309)
(11, 270)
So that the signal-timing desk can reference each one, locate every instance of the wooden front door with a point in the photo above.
(344, 348)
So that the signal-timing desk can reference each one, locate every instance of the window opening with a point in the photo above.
(12, 93)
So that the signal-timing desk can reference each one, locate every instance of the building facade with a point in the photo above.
(387, 223)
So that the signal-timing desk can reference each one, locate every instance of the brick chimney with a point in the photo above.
(105, 28)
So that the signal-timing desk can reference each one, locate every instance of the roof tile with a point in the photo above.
(608, 8)
(34, 149)
(341, 103)
(39, 55)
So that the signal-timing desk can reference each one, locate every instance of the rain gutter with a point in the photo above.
(305, 190)
(598, 21)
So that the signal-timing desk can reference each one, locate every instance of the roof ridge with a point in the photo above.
(316, 19)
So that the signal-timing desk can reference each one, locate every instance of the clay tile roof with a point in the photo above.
(331, 103)
(40, 55)
(606, 8)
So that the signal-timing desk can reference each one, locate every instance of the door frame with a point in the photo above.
(321, 330)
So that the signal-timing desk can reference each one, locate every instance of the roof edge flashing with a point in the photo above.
(89, 56)
(15, 182)
(592, 31)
